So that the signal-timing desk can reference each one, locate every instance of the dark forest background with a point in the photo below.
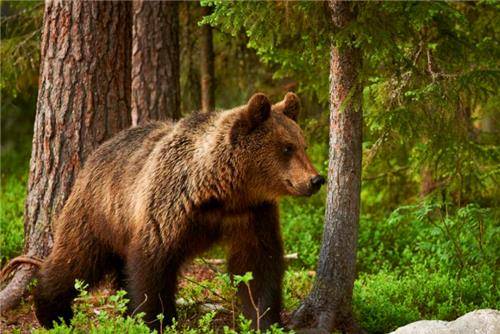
(429, 227)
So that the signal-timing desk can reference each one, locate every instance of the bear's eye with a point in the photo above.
(288, 149)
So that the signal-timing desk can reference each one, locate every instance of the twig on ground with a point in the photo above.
(206, 287)
(254, 306)
(142, 303)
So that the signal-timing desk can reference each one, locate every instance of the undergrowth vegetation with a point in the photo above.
(425, 260)
(14, 177)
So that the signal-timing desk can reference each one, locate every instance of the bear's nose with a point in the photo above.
(316, 182)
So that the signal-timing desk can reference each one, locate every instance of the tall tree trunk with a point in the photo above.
(190, 83)
(207, 66)
(83, 99)
(329, 305)
(155, 61)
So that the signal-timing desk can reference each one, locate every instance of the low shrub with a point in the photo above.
(386, 300)
(435, 236)
(107, 315)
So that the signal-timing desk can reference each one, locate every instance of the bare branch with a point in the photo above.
(287, 257)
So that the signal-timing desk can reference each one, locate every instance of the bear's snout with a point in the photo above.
(315, 183)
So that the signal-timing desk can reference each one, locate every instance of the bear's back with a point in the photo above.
(129, 144)
(104, 186)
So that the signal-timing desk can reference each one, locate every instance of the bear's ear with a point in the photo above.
(291, 106)
(258, 110)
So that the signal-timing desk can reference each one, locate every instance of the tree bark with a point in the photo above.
(155, 61)
(83, 99)
(190, 83)
(329, 305)
(207, 66)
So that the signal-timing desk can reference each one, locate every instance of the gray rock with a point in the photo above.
(476, 322)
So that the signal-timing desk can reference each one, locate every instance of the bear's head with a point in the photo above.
(272, 144)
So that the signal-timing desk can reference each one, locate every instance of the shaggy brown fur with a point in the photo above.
(155, 196)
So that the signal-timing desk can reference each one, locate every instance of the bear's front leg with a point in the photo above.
(151, 285)
(258, 248)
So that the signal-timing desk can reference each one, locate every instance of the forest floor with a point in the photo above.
(22, 319)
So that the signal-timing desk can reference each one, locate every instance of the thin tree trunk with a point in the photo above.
(83, 99)
(329, 305)
(155, 61)
(488, 124)
(427, 184)
(207, 66)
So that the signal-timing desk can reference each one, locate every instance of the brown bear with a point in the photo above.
(154, 196)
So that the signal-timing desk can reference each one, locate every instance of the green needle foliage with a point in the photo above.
(430, 73)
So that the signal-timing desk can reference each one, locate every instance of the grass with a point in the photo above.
(14, 178)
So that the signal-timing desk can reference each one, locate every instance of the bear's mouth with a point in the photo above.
(297, 191)
(291, 188)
